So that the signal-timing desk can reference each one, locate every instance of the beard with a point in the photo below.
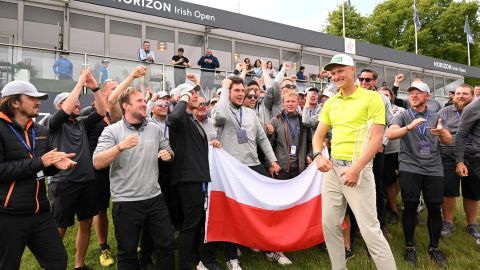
(460, 104)
(31, 113)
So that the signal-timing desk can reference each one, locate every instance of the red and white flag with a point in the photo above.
(259, 212)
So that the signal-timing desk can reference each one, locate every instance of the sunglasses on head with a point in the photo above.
(290, 86)
(365, 79)
(252, 96)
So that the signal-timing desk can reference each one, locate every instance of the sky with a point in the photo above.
(306, 14)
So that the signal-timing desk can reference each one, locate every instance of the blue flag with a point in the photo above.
(416, 19)
(348, 3)
(467, 31)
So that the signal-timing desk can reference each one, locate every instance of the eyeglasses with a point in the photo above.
(204, 103)
(365, 79)
(252, 96)
(290, 86)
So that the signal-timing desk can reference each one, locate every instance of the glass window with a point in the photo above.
(193, 46)
(390, 76)
(163, 42)
(407, 81)
(439, 87)
(222, 49)
(293, 58)
(87, 34)
(42, 27)
(254, 52)
(312, 65)
(451, 84)
(125, 39)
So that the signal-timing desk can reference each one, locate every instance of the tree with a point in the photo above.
(441, 35)
(355, 23)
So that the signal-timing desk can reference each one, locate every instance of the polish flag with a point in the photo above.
(259, 212)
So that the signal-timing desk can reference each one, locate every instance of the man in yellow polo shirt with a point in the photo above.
(357, 119)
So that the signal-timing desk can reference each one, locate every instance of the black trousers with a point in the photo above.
(130, 218)
(39, 233)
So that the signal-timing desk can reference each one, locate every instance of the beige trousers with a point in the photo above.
(361, 199)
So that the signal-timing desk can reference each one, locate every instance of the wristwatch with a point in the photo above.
(314, 155)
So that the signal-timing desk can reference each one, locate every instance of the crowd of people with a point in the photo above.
(147, 153)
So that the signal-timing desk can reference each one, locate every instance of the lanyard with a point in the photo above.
(241, 117)
(420, 130)
(292, 131)
(29, 149)
(165, 131)
(458, 114)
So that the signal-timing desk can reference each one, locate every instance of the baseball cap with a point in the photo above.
(185, 87)
(22, 88)
(312, 89)
(162, 94)
(421, 86)
(105, 61)
(59, 98)
(339, 59)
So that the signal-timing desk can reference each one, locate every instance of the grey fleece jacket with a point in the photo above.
(469, 126)
(134, 173)
(225, 118)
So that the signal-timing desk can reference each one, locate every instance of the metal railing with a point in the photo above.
(36, 65)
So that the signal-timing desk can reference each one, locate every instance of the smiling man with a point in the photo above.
(420, 131)
(348, 175)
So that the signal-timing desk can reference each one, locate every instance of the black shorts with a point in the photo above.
(102, 178)
(470, 184)
(412, 184)
(70, 198)
(390, 169)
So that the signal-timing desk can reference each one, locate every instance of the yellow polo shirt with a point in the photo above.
(351, 118)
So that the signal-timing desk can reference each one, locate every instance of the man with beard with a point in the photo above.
(132, 147)
(25, 159)
(470, 187)
(240, 132)
(75, 191)
(466, 150)
(421, 170)
(348, 175)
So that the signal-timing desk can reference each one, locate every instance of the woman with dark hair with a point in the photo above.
(270, 70)
(257, 67)
(248, 65)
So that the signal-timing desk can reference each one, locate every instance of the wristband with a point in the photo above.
(95, 89)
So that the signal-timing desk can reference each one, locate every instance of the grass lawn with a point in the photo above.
(460, 250)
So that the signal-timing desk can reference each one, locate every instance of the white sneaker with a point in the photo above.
(278, 257)
(200, 266)
(233, 265)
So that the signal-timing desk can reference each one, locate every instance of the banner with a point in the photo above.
(259, 212)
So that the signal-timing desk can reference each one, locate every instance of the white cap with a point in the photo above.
(339, 59)
(22, 88)
(184, 88)
(162, 94)
(59, 98)
(421, 86)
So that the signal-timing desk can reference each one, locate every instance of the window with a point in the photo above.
(293, 58)
(312, 66)
(222, 49)
(42, 27)
(193, 46)
(390, 76)
(87, 34)
(163, 42)
(125, 39)
(439, 88)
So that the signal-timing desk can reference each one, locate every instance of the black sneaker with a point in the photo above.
(411, 256)
(437, 257)
(349, 254)
(473, 230)
(447, 229)
(394, 217)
